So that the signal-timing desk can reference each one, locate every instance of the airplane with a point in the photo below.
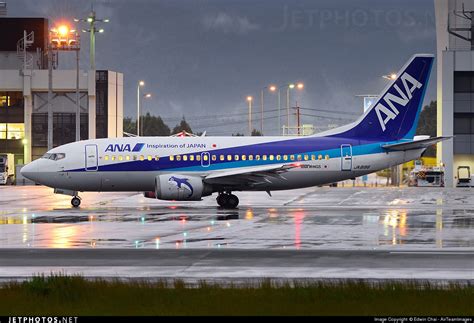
(189, 168)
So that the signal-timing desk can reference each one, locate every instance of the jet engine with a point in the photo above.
(179, 188)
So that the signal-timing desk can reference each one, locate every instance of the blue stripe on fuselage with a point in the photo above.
(308, 145)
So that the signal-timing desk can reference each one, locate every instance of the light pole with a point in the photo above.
(62, 38)
(92, 20)
(390, 77)
(395, 170)
(299, 86)
(261, 111)
(273, 89)
(249, 100)
(140, 83)
(145, 96)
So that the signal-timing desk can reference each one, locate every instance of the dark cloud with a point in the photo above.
(203, 57)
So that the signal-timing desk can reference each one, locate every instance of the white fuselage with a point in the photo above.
(112, 165)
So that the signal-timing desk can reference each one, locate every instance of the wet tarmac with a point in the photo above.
(317, 219)
(241, 264)
(340, 218)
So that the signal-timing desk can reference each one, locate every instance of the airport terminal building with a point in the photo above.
(24, 86)
(455, 86)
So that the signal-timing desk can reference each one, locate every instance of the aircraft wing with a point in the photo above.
(251, 176)
(417, 144)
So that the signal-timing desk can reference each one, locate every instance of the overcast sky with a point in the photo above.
(201, 58)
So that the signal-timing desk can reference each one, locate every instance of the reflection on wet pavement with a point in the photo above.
(300, 224)
(244, 228)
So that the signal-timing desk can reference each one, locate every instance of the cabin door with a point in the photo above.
(92, 160)
(346, 157)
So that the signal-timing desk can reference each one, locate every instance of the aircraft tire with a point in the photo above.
(75, 202)
(222, 200)
(232, 201)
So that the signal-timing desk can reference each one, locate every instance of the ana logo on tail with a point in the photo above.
(410, 84)
(182, 181)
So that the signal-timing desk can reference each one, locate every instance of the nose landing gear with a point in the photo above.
(76, 201)
(227, 200)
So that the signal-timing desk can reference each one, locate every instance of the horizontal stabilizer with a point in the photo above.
(416, 144)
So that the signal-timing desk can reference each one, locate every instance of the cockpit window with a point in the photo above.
(60, 156)
(57, 156)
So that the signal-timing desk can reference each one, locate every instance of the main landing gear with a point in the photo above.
(227, 200)
(76, 201)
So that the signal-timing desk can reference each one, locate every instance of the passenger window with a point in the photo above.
(285, 157)
(299, 157)
(113, 158)
(198, 157)
(271, 157)
(106, 157)
(142, 157)
(191, 157)
(313, 157)
(244, 157)
(120, 157)
(157, 158)
(127, 157)
(171, 157)
(205, 157)
(320, 157)
(150, 158)
(221, 157)
(278, 157)
(292, 157)
(257, 157)
(213, 157)
(229, 157)
(236, 157)
(327, 157)
(306, 157)
(264, 157)
(178, 157)
(185, 158)
(250, 157)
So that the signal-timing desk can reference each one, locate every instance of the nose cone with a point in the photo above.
(30, 171)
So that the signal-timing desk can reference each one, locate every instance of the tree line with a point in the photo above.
(155, 126)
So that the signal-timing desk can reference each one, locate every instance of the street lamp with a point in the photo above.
(391, 76)
(395, 170)
(291, 86)
(145, 96)
(140, 84)
(273, 89)
(249, 100)
(92, 20)
(62, 38)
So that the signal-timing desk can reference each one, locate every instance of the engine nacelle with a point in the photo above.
(181, 187)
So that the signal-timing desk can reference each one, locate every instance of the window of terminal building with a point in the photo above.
(3, 131)
(4, 101)
(463, 107)
(12, 131)
(11, 99)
